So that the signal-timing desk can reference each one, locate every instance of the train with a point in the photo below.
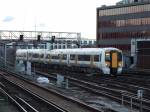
(108, 61)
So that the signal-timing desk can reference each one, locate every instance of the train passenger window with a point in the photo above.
(55, 57)
(64, 46)
(119, 56)
(72, 57)
(41, 55)
(84, 57)
(29, 54)
(64, 57)
(96, 57)
(107, 56)
(19, 55)
(47, 56)
(100, 57)
(22, 55)
(35, 55)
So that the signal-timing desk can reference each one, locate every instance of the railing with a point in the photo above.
(32, 35)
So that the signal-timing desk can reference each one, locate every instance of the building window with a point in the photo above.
(51, 46)
(85, 42)
(64, 41)
(90, 42)
(125, 10)
(68, 46)
(59, 46)
(55, 46)
(82, 42)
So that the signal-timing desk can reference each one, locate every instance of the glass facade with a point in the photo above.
(117, 35)
(121, 23)
(128, 22)
(125, 10)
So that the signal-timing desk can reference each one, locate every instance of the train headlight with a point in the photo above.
(120, 64)
(107, 64)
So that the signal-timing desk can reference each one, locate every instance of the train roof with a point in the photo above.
(82, 50)
(86, 49)
(66, 51)
(30, 50)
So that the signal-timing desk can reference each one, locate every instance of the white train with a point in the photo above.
(104, 60)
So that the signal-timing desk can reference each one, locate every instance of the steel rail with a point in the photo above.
(61, 95)
(105, 91)
(20, 107)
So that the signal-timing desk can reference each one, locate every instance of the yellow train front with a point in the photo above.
(113, 62)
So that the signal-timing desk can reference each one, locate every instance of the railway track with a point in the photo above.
(138, 80)
(94, 93)
(114, 90)
(121, 83)
(11, 99)
(115, 94)
(67, 104)
(130, 84)
(28, 101)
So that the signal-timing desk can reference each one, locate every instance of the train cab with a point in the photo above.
(113, 61)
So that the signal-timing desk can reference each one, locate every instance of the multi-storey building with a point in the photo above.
(134, 1)
(64, 44)
(131, 1)
(117, 25)
(58, 44)
(85, 42)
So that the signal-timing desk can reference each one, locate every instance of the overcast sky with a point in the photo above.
(51, 15)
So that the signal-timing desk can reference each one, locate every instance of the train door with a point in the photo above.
(68, 59)
(113, 62)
